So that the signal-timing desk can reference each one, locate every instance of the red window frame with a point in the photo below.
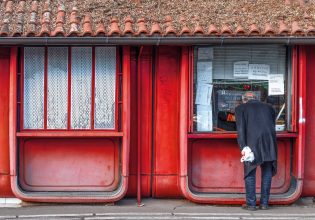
(117, 90)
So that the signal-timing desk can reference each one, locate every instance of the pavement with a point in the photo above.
(304, 208)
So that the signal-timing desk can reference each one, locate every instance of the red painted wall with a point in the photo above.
(166, 123)
(5, 189)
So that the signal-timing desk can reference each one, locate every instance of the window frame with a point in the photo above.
(92, 128)
(290, 75)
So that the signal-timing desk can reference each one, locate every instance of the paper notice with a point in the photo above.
(203, 94)
(276, 84)
(258, 71)
(205, 53)
(240, 69)
(204, 118)
(204, 72)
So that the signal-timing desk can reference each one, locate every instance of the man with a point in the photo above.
(255, 122)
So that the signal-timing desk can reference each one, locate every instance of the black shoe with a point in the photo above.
(249, 208)
(263, 207)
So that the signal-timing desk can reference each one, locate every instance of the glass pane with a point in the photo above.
(81, 80)
(57, 106)
(34, 63)
(105, 87)
(224, 74)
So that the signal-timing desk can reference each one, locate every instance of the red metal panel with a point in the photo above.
(166, 121)
(309, 173)
(214, 166)
(69, 164)
(4, 123)
(144, 109)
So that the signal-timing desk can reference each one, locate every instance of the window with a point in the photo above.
(69, 88)
(223, 74)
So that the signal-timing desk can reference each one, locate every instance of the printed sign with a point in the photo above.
(258, 71)
(276, 84)
(205, 53)
(240, 69)
(204, 72)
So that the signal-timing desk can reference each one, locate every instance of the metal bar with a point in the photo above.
(21, 41)
(139, 128)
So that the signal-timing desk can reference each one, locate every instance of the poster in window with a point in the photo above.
(203, 95)
(276, 84)
(204, 118)
(204, 72)
(258, 71)
(205, 53)
(240, 69)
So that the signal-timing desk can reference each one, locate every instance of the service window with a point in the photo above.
(222, 74)
(69, 88)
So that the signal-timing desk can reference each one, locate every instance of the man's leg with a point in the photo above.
(266, 176)
(250, 186)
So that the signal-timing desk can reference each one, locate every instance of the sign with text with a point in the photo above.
(240, 69)
(258, 71)
(276, 84)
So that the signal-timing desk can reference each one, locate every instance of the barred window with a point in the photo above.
(69, 88)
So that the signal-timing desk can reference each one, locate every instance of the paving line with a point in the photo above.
(162, 217)
(7, 217)
(56, 215)
(134, 213)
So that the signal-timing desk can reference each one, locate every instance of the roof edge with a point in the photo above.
(171, 40)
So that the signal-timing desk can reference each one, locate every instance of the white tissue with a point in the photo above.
(248, 155)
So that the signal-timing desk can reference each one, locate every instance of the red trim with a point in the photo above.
(93, 88)
(191, 88)
(117, 101)
(22, 92)
(139, 127)
(69, 134)
(69, 88)
(294, 90)
(45, 86)
(233, 135)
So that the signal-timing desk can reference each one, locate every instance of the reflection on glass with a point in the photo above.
(34, 60)
(57, 112)
(81, 80)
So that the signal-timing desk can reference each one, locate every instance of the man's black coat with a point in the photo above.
(255, 123)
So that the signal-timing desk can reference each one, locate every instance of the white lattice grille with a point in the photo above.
(34, 63)
(105, 86)
(81, 80)
(57, 106)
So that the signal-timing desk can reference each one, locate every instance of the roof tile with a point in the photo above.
(114, 29)
(48, 18)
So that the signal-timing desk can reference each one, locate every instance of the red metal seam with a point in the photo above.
(21, 122)
(93, 89)
(45, 86)
(12, 111)
(139, 127)
(69, 88)
(117, 101)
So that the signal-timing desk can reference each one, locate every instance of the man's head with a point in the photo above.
(248, 96)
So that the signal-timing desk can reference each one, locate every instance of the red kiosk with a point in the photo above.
(91, 113)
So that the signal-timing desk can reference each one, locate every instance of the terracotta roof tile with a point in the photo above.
(213, 31)
(233, 18)
(253, 30)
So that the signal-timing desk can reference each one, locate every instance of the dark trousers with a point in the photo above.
(250, 185)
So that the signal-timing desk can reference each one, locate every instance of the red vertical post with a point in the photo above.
(302, 112)
(184, 120)
(12, 113)
(139, 128)
(126, 110)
